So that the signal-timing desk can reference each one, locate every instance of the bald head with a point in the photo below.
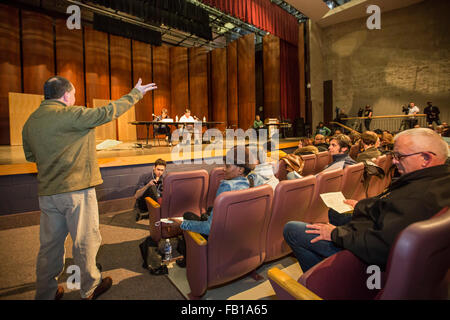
(431, 149)
(423, 139)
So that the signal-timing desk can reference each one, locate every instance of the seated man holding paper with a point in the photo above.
(420, 192)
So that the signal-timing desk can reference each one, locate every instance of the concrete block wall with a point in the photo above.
(407, 60)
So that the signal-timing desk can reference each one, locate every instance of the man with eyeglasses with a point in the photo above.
(422, 190)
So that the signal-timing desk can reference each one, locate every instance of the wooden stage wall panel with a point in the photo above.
(142, 68)
(10, 67)
(232, 110)
(246, 80)
(179, 81)
(97, 65)
(121, 84)
(161, 76)
(301, 70)
(69, 58)
(21, 106)
(107, 130)
(38, 53)
(271, 66)
(219, 85)
(198, 82)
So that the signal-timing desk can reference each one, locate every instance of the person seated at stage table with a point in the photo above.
(258, 124)
(190, 127)
(150, 185)
(164, 128)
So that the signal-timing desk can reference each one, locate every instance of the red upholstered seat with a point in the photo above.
(310, 164)
(376, 185)
(216, 175)
(352, 180)
(236, 243)
(183, 191)
(291, 201)
(323, 159)
(417, 266)
(327, 181)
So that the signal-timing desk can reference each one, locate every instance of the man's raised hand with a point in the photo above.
(145, 88)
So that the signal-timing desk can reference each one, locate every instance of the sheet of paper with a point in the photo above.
(167, 120)
(335, 201)
(165, 220)
(107, 144)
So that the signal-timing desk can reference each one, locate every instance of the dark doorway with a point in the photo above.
(327, 101)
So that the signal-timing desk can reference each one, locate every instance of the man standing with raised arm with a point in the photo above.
(60, 138)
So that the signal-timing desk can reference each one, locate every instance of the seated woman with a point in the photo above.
(236, 171)
(263, 173)
(163, 128)
(235, 179)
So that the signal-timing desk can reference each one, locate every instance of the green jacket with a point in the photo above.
(368, 154)
(61, 140)
(258, 124)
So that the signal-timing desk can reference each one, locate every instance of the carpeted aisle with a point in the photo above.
(119, 256)
(245, 288)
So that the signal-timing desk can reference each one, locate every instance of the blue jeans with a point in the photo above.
(309, 254)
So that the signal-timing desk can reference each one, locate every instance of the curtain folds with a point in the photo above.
(263, 14)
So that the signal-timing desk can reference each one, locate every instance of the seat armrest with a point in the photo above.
(290, 286)
(152, 203)
(154, 215)
(198, 238)
(196, 263)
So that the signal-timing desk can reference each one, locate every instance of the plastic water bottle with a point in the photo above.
(176, 118)
(167, 250)
(204, 119)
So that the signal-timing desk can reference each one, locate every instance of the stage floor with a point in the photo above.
(12, 158)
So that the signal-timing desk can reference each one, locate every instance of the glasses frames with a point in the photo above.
(398, 156)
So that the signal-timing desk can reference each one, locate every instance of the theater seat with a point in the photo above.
(388, 170)
(310, 164)
(291, 201)
(323, 159)
(352, 180)
(376, 185)
(216, 175)
(327, 181)
(183, 191)
(236, 243)
(416, 269)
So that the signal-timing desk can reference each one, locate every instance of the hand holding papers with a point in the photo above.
(335, 201)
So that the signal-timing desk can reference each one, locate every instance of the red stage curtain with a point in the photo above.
(290, 98)
(263, 14)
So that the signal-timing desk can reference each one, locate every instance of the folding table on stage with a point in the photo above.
(170, 123)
